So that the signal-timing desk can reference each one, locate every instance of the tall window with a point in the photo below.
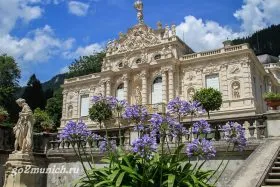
(157, 90)
(84, 105)
(120, 92)
(212, 81)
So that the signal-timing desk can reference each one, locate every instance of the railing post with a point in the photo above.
(273, 121)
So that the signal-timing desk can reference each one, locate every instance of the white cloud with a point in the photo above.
(17, 10)
(64, 70)
(84, 51)
(78, 8)
(38, 46)
(200, 35)
(258, 14)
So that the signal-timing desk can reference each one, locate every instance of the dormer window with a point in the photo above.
(120, 65)
(157, 57)
(138, 61)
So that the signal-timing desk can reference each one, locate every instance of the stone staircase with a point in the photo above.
(273, 175)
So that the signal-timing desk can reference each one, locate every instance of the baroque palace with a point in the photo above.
(152, 66)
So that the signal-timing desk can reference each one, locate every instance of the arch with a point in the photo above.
(157, 90)
(120, 92)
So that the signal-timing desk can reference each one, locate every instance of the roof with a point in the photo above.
(268, 59)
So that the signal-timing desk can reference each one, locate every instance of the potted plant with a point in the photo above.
(47, 126)
(3, 114)
(272, 100)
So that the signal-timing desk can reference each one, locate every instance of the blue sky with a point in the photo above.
(45, 36)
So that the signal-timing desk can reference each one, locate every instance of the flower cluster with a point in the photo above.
(105, 146)
(144, 146)
(75, 131)
(235, 133)
(202, 148)
(135, 113)
(201, 127)
(177, 106)
(195, 108)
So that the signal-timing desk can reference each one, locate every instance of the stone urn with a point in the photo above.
(273, 103)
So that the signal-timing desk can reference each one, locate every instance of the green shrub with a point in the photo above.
(270, 96)
(211, 99)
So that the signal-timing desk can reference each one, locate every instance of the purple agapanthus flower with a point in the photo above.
(235, 133)
(107, 146)
(135, 113)
(176, 129)
(75, 131)
(176, 106)
(202, 148)
(195, 108)
(145, 146)
(201, 127)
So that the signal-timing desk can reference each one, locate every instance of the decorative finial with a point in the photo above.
(159, 25)
(138, 5)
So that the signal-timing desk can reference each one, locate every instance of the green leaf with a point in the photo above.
(120, 178)
(171, 180)
(113, 175)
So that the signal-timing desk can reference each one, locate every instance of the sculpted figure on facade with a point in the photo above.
(138, 96)
(173, 30)
(70, 111)
(166, 33)
(191, 93)
(23, 130)
(236, 90)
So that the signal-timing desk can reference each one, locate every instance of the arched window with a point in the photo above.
(157, 90)
(120, 92)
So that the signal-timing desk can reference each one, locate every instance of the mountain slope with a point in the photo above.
(266, 41)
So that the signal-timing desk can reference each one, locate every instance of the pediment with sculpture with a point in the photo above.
(138, 37)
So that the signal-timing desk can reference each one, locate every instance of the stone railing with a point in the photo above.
(272, 65)
(215, 52)
(156, 108)
(81, 78)
(254, 127)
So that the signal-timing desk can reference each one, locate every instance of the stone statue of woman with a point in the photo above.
(23, 130)
(138, 96)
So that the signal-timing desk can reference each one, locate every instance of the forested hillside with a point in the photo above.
(266, 41)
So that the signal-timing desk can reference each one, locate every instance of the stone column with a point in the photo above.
(164, 87)
(103, 88)
(171, 84)
(64, 109)
(108, 88)
(144, 88)
(125, 87)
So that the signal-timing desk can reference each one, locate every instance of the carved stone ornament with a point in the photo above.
(235, 90)
(234, 70)
(139, 37)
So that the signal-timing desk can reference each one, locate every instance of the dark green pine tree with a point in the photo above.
(34, 94)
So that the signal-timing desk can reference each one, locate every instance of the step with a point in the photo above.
(273, 175)
(278, 158)
(272, 181)
(277, 163)
(275, 168)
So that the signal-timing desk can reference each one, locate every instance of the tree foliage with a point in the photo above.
(9, 77)
(100, 112)
(54, 107)
(265, 41)
(86, 65)
(42, 120)
(211, 99)
(34, 94)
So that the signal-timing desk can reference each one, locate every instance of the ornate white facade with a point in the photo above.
(157, 65)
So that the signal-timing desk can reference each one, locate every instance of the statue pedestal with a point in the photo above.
(20, 170)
